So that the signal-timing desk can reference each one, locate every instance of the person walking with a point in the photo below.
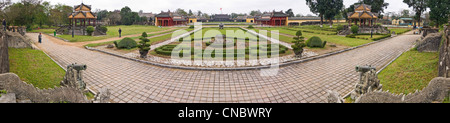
(4, 24)
(40, 37)
(120, 32)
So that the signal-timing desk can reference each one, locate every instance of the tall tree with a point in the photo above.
(128, 16)
(419, 6)
(255, 12)
(334, 8)
(181, 12)
(318, 7)
(102, 14)
(199, 13)
(190, 13)
(440, 11)
(290, 13)
(114, 17)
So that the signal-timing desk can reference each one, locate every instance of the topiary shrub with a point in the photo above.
(339, 28)
(102, 29)
(191, 27)
(144, 46)
(315, 42)
(90, 30)
(127, 43)
(355, 29)
(351, 36)
(250, 27)
(144, 34)
(115, 44)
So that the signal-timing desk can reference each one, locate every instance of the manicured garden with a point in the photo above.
(211, 47)
(113, 31)
(326, 34)
(34, 67)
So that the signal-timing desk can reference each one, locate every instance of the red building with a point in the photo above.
(272, 18)
(170, 19)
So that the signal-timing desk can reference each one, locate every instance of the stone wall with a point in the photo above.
(428, 30)
(16, 40)
(430, 43)
(444, 55)
(23, 91)
(435, 92)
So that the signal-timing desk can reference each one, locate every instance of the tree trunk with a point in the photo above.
(419, 21)
(331, 22)
(321, 20)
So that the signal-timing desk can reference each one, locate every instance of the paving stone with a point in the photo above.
(298, 83)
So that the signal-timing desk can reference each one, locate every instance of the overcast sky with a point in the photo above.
(212, 6)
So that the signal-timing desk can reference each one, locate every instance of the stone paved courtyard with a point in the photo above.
(133, 82)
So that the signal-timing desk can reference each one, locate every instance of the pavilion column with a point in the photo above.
(360, 22)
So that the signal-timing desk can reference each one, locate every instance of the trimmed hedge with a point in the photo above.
(126, 43)
(315, 42)
(383, 37)
(252, 50)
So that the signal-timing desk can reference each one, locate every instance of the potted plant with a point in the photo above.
(144, 47)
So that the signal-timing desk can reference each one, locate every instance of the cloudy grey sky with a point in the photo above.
(212, 6)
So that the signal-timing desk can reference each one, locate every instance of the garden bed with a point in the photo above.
(247, 49)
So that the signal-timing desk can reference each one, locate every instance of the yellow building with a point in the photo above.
(250, 20)
(405, 22)
(192, 19)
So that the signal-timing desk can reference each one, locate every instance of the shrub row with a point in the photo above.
(382, 37)
(255, 50)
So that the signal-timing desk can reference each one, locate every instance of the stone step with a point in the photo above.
(8, 98)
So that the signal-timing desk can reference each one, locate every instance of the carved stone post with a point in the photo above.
(4, 56)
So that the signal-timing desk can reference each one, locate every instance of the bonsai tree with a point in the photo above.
(299, 44)
(90, 30)
(298, 34)
(144, 45)
(144, 34)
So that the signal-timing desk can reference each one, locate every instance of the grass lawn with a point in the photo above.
(34, 67)
(411, 71)
(368, 36)
(209, 32)
(341, 40)
(399, 31)
(113, 31)
(46, 31)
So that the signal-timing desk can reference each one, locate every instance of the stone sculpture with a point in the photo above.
(74, 78)
(368, 80)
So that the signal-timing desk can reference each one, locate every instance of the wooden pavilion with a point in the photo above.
(82, 14)
(363, 15)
